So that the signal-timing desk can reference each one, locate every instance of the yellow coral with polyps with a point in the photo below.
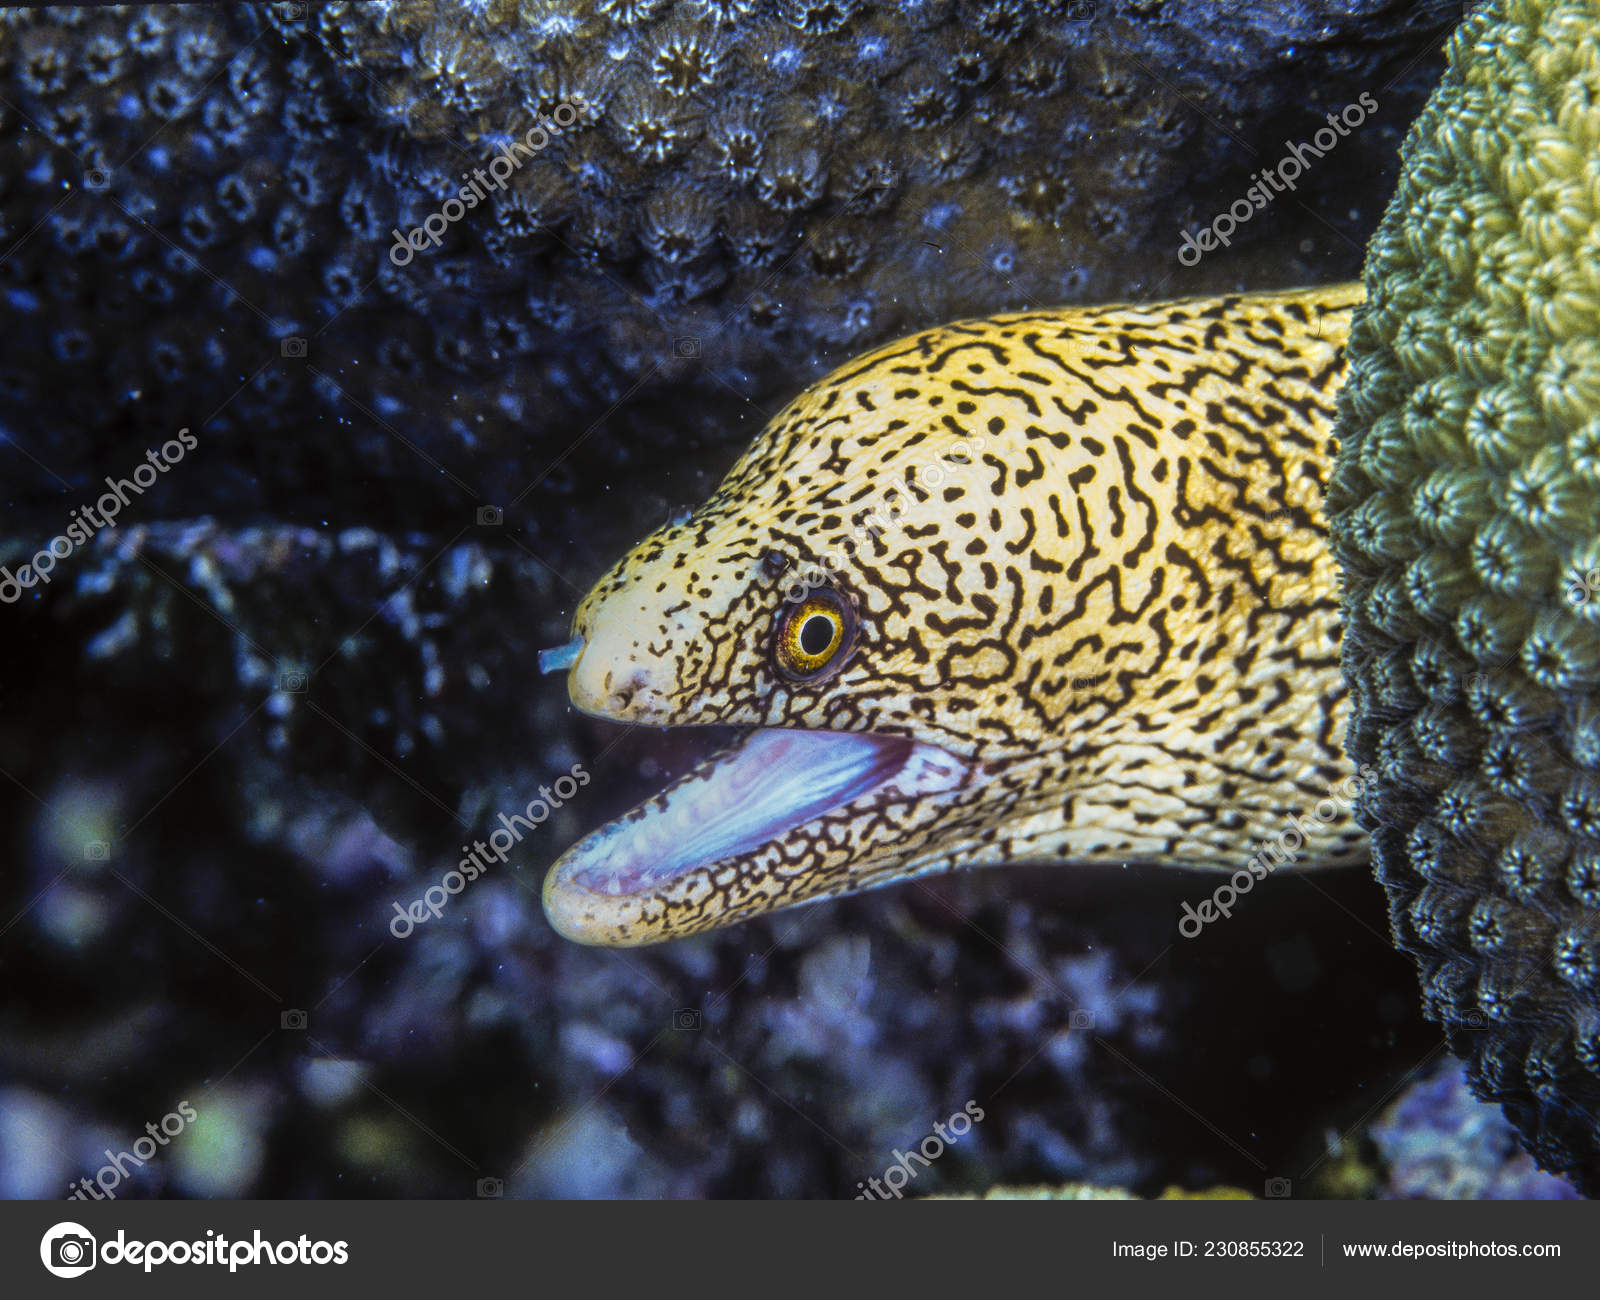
(1464, 515)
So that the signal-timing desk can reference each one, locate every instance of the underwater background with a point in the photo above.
(245, 727)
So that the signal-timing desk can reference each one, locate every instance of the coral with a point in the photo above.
(1438, 1142)
(1463, 514)
(312, 132)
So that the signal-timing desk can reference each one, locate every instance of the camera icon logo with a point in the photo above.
(491, 1189)
(687, 348)
(491, 516)
(293, 347)
(1081, 1020)
(686, 1018)
(97, 851)
(295, 1019)
(1474, 1019)
(294, 10)
(68, 1250)
(292, 683)
(96, 178)
(1278, 1189)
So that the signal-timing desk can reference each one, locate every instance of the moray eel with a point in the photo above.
(1050, 586)
(1464, 516)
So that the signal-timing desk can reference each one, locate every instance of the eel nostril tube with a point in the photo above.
(561, 656)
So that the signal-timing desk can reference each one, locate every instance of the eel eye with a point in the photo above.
(813, 633)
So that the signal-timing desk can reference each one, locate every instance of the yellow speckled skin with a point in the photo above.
(1109, 595)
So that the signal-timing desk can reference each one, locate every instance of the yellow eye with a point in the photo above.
(812, 633)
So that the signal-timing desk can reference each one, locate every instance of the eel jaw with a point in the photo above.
(782, 817)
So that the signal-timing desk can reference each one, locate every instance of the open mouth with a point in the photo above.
(774, 789)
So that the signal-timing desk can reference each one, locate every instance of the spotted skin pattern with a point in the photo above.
(1107, 597)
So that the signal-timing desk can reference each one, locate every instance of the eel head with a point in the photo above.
(989, 594)
(779, 608)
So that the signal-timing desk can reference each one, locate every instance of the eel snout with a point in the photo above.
(618, 669)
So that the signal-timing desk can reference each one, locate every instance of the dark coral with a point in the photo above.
(248, 163)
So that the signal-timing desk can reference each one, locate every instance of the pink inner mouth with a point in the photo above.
(772, 783)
